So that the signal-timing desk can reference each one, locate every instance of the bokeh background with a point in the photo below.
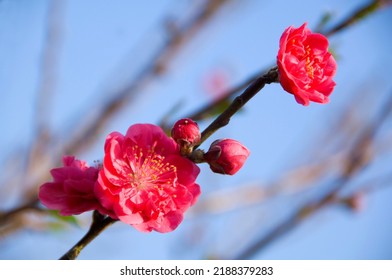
(73, 71)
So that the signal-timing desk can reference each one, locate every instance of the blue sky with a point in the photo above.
(103, 44)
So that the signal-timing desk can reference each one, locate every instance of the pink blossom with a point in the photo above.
(72, 189)
(226, 156)
(306, 67)
(145, 181)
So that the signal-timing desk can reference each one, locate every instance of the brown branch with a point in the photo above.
(223, 119)
(329, 200)
(39, 148)
(99, 224)
(49, 63)
(203, 112)
(8, 215)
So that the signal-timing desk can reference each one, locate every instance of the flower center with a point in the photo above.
(149, 170)
(309, 63)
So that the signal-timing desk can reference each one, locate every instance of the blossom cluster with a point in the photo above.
(144, 180)
(148, 179)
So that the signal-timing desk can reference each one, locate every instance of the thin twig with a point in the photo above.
(224, 118)
(203, 112)
(6, 216)
(99, 224)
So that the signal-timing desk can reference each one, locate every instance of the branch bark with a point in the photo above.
(99, 224)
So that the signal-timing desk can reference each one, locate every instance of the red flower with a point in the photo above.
(145, 181)
(72, 191)
(226, 156)
(306, 68)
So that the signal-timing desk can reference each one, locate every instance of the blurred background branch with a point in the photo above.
(358, 158)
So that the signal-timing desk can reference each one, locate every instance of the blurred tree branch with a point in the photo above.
(357, 160)
(156, 67)
(40, 149)
(332, 158)
(358, 15)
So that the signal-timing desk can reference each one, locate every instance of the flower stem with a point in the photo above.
(223, 119)
(99, 223)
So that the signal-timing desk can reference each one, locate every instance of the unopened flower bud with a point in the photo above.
(226, 156)
(187, 134)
